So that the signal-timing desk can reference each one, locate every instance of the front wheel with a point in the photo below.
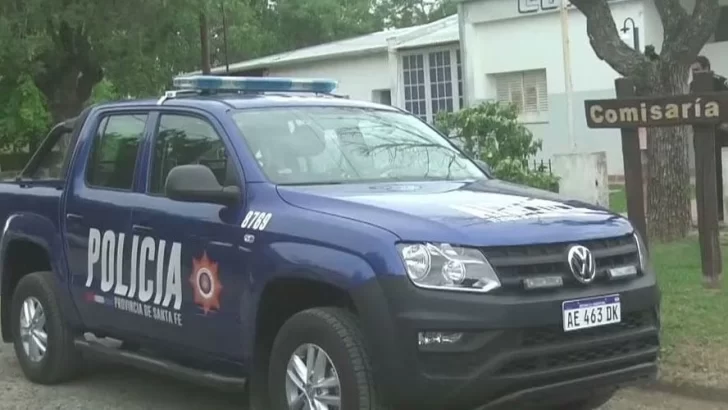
(43, 341)
(319, 361)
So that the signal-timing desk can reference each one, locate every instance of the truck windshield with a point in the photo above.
(326, 145)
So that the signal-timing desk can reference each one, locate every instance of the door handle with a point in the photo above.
(74, 217)
(144, 228)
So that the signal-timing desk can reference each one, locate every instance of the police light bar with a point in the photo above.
(254, 84)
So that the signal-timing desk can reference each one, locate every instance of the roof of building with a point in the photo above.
(436, 32)
(448, 33)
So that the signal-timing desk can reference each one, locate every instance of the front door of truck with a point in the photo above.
(197, 262)
(97, 220)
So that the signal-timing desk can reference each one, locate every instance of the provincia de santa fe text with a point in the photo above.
(151, 284)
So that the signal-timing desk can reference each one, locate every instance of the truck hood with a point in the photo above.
(476, 213)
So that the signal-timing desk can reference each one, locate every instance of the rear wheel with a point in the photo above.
(43, 341)
(319, 361)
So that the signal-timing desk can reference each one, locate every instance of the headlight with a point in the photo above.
(642, 250)
(448, 267)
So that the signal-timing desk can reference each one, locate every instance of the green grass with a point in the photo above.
(694, 319)
(618, 197)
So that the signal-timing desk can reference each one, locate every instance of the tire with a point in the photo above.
(592, 403)
(61, 361)
(336, 332)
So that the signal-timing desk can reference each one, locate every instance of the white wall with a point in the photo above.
(501, 40)
(498, 39)
(357, 77)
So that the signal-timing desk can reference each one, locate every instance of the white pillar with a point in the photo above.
(394, 83)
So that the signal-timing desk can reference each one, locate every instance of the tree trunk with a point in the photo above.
(668, 167)
(204, 44)
(63, 102)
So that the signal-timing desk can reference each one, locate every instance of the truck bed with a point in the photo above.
(37, 199)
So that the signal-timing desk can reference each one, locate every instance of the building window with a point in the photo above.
(460, 79)
(526, 89)
(441, 82)
(415, 99)
(441, 90)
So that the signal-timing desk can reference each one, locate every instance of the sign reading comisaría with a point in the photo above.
(657, 111)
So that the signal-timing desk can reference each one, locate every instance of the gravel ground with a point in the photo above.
(108, 387)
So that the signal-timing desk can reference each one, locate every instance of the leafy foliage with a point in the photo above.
(406, 13)
(57, 56)
(24, 119)
(491, 132)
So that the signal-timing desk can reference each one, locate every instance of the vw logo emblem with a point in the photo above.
(581, 263)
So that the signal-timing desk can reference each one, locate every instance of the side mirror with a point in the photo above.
(197, 183)
(484, 166)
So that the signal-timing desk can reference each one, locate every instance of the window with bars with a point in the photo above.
(432, 82)
(526, 89)
(415, 101)
(441, 82)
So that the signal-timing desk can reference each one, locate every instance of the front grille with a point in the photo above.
(513, 264)
(519, 346)
(580, 356)
(555, 336)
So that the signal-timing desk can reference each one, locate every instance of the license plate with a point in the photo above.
(593, 312)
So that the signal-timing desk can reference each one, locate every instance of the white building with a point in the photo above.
(509, 49)
(370, 67)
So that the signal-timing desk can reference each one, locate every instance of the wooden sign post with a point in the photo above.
(703, 110)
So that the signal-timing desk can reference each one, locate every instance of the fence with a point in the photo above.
(542, 166)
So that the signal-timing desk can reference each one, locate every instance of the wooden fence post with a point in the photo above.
(706, 190)
(632, 157)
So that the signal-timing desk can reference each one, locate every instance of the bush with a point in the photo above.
(491, 132)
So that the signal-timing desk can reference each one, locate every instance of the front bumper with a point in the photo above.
(515, 351)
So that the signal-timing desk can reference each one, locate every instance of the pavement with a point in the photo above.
(112, 387)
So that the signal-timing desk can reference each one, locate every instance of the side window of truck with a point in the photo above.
(114, 151)
(184, 140)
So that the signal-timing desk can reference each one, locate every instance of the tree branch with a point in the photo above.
(688, 39)
(605, 39)
(673, 17)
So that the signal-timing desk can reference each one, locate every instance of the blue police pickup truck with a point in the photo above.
(264, 234)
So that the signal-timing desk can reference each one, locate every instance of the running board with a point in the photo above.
(159, 366)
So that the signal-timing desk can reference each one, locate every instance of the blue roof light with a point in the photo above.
(254, 84)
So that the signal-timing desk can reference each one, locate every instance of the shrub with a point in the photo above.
(491, 132)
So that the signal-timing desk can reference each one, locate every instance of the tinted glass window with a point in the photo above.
(114, 153)
(184, 140)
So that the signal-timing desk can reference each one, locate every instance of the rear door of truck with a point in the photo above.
(100, 249)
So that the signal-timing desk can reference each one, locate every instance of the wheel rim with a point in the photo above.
(312, 382)
(33, 335)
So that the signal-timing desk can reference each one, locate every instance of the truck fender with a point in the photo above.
(336, 268)
(42, 232)
(344, 271)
